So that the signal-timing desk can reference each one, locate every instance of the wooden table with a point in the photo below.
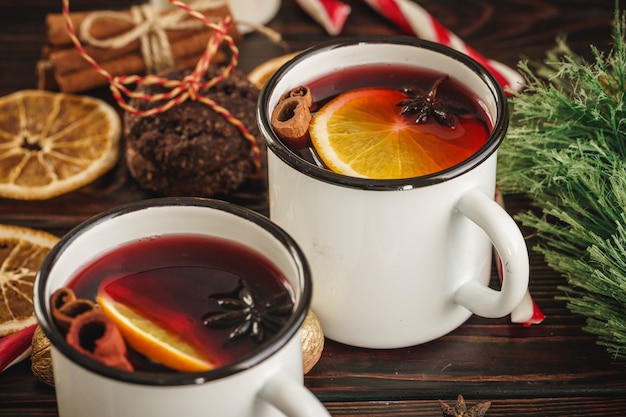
(552, 369)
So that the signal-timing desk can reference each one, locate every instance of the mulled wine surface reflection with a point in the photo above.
(382, 121)
(221, 298)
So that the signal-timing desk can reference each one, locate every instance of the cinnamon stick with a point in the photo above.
(45, 76)
(63, 68)
(107, 28)
(292, 115)
(69, 59)
(89, 78)
(61, 297)
(94, 335)
(65, 307)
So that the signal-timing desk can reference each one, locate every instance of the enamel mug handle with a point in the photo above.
(292, 398)
(511, 247)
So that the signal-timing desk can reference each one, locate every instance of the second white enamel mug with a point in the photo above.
(397, 262)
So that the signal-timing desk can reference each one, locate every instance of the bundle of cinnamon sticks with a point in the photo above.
(63, 68)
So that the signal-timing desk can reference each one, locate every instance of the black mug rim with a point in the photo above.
(286, 155)
(173, 378)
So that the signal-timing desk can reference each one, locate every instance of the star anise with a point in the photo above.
(247, 315)
(460, 408)
(426, 105)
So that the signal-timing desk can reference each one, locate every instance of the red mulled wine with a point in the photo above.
(445, 120)
(183, 282)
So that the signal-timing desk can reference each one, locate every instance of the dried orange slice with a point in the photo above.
(262, 72)
(22, 250)
(362, 133)
(155, 342)
(53, 143)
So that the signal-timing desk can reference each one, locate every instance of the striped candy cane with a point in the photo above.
(330, 14)
(527, 312)
(414, 19)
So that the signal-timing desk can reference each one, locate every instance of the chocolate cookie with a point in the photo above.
(190, 149)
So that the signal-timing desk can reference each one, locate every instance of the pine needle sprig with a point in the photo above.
(566, 148)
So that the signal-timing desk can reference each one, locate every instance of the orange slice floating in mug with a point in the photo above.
(154, 341)
(361, 133)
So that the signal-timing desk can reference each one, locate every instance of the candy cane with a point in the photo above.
(330, 14)
(16, 346)
(414, 19)
(527, 312)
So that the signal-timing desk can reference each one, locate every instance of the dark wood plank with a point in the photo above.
(553, 369)
(543, 407)
(483, 356)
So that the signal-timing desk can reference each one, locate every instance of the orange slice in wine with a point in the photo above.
(156, 342)
(362, 133)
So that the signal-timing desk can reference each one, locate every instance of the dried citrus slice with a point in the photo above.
(262, 72)
(53, 143)
(22, 250)
(155, 342)
(362, 133)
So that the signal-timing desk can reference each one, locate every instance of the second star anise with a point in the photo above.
(427, 105)
(460, 408)
(248, 315)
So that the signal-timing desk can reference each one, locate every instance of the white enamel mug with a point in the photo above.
(397, 262)
(268, 383)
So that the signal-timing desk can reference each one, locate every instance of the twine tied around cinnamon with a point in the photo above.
(149, 27)
(179, 91)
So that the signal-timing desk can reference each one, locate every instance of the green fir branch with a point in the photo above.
(566, 148)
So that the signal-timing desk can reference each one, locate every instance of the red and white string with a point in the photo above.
(178, 91)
